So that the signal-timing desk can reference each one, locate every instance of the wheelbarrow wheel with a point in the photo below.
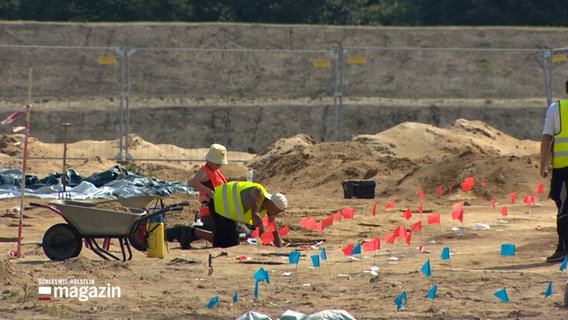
(61, 242)
(138, 238)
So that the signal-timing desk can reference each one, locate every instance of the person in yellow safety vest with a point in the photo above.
(206, 179)
(244, 202)
(554, 144)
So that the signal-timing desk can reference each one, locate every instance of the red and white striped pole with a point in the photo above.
(24, 163)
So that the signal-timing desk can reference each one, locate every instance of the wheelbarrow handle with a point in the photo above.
(173, 207)
(46, 206)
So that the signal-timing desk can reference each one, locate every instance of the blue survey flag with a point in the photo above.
(323, 256)
(445, 255)
(432, 292)
(563, 264)
(260, 275)
(400, 301)
(502, 295)
(212, 302)
(356, 249)
(426, 268)
(294, 257)
(548, 291)
(508, 249)
(315, 260)
(236, 296)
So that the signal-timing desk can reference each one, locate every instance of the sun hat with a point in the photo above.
(217, 154)
(278, 199)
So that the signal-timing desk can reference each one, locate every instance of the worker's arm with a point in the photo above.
(545, 154)
(254, 209)
(196, 182)
(275, 234)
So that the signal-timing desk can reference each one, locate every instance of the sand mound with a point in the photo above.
(403, 159)
(421, 141)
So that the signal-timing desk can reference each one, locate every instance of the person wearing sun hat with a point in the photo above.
(206, 179)
(239, 202)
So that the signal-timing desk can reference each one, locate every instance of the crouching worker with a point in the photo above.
(234, 202)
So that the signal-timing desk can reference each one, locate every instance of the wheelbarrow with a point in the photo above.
(137, 239)
(64, 240)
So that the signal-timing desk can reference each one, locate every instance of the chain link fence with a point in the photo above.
(110, 93)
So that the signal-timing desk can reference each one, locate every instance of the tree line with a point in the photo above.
(550, 13)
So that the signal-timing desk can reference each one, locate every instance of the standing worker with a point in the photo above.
(554, 143)
(234, 202)
(206, 179)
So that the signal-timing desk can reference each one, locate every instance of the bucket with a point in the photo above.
(363, 189)
(155, 247)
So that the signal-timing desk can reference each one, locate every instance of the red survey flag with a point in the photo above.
(327, 222)
(283, 231)
(372, 245)
(539, 188)
(467, 184)
(264, 221)
(420, 195)
(271, 227)
(319, 226)
(527, 200)
(400, 232)
(513, 197)
(416, 227)
(389, 205)
(492, 201)
(347, 213)
(504, 211)
(407, 238)
(420, 209)
(347, 250)
(433, 218)
(407, 214)
(389, 238)
(457, 214)
(374, 209)
(267, 237)
(440, 190)
(337, 216)
(308, 223)
(255, 233)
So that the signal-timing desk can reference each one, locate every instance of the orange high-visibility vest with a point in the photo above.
(216, 178)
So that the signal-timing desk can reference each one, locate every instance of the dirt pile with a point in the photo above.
(403, 159)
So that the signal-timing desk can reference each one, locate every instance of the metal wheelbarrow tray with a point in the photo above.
(133, 202)
(64, 240)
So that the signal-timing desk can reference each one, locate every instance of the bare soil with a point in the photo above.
(402, 160)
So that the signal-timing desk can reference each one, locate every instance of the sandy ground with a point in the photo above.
(406, 161)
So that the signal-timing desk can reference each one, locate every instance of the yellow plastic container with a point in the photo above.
(155, 241)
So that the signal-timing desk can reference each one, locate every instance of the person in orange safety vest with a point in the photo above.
(205, 180)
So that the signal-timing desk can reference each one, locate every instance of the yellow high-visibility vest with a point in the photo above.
(228, 203)
(560, 144)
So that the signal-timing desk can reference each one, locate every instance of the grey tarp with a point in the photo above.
(115, 182)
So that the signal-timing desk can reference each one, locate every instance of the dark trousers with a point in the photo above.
(226, 232)
(559, 193)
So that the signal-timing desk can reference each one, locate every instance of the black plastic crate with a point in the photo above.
(363, 189)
